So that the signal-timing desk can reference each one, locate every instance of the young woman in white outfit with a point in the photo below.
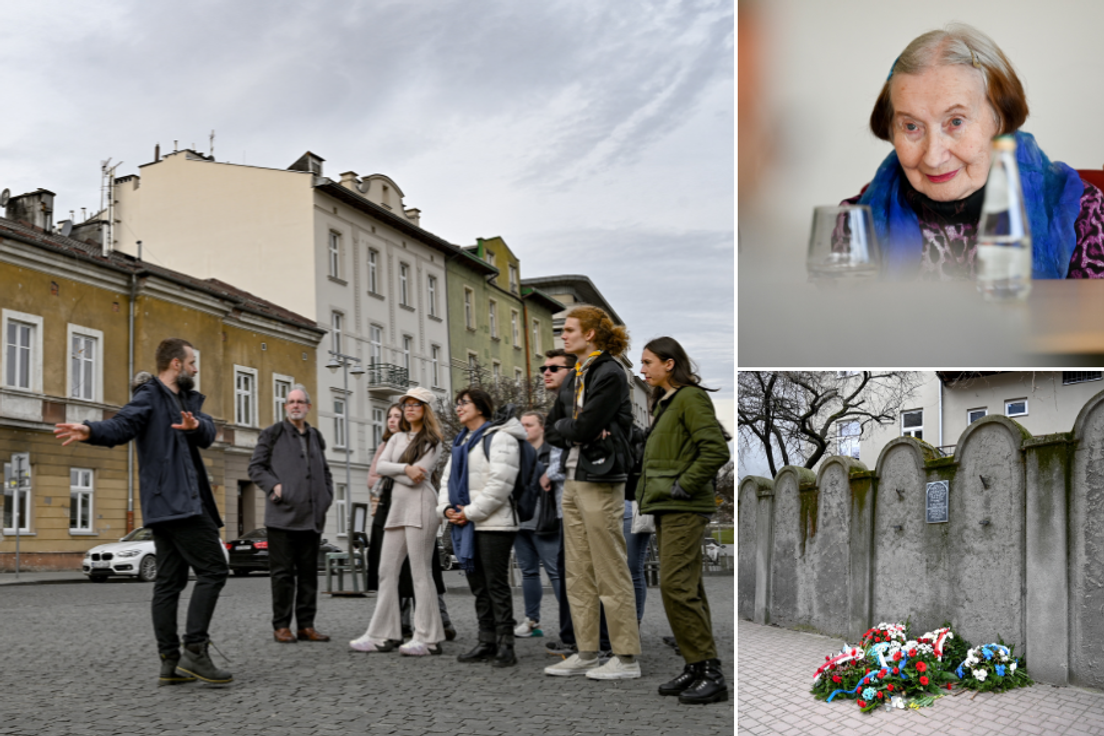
(409, 458)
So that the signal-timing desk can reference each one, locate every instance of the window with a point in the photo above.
(536, 338)
(469, 315)
(404, 282)
(435, 364)
(373, 271)
(848, 439)
(80, 500)
(473, 366)
(85, 362)
(340, 504)
(513, 278)
(912, 424)
(22, 350)
(496, 370)
(245, 396)
(408, 343)
(337, 320)
(17, 493)
(518, 376)
(375, 344)
(431, 293)
(1015, 408)
(490, 257)
(335, 254)
(199, 373)
(281, 387)
(492, 318)
(339, 423)
(514, 334)
(975, 414)
(1071, 377)
(377, 427)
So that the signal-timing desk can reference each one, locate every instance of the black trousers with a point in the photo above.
(567, 628)
(293, 564)
(490, 583)
(180, 544)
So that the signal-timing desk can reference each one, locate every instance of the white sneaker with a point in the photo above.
(573, 665)
(367, 644)
(615, 669)
(528, 627)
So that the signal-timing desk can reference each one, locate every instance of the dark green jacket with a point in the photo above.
(685, 444)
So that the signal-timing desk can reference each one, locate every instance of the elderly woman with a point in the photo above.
(947, 95)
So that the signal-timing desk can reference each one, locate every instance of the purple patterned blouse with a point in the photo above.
(949, 230)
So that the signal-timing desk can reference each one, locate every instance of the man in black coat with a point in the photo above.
(164, 415)
(289, 464)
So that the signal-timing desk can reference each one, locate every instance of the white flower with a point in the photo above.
(980, 675)
(1012, 667)
(971, 659)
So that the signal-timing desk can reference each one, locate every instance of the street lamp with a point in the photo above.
(340, 360)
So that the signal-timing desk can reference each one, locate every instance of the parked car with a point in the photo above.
(132, 556)
(249, 552)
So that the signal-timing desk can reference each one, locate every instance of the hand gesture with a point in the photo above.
(545, 483)
(188, 422)
(278, 491)
(414, 473)
(71, 433)
(457, 517)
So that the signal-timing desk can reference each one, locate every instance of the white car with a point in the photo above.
(133, 555)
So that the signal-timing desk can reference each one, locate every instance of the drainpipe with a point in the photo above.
(940, 410)
(130, 376)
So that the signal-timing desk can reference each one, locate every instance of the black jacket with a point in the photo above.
(307, 486)
(606, 406)
(172, 476)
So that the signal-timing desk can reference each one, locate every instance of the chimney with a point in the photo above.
(36, 207)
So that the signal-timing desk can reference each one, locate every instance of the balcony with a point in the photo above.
(384, 379)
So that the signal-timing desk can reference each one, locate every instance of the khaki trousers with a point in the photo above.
(679, 537)
(596, 568)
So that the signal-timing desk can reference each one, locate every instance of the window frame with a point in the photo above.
(969, 412)
(515, 281)
(435, 362)
(88, 493)
(408, 353)
(333, 251)
(278, 412)
(492, 318)
(431, 294)
(848, 445)
(341, 422)
(379, 424)
(469, 308)
(72, 332)
(252, 373)
(34, 357)
(337, 331)
(375, 344)
(341, 505)
(1023, 401)
(536, 337)
(515, 335)
(17, 495)
(373, 271)
(911, 431)
(404, 284)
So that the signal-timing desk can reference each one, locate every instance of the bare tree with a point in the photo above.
(726, 494)
(793, 416)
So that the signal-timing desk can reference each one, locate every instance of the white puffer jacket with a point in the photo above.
(490, 483)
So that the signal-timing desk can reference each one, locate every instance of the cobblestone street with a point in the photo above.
(80, 658)
(777, 667)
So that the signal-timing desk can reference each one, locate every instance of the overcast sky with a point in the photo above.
(596, 138)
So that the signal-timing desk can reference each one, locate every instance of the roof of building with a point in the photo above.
(576, 284)
(92, 252)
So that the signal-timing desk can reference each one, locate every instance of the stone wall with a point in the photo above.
(1019, 557)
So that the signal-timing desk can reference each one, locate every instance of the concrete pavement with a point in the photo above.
(79, 658)
(777, 665)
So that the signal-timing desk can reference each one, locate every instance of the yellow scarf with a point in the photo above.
(580, 369)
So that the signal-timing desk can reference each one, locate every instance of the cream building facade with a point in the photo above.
(346, 253)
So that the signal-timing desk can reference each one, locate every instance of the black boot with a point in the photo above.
(484, 651)
(196, 661)
(690, 674)
(169, 674)
(505, 656)
(709, 688)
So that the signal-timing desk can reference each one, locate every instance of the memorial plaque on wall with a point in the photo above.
(938, 505)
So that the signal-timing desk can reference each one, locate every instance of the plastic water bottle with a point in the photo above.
(1004, 235)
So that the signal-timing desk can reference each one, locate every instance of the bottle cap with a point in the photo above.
(1004, 143)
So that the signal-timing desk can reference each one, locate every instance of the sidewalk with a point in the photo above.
(37, 578)
(776, 667)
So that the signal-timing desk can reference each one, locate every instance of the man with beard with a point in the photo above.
(164, 415)
(289, 464)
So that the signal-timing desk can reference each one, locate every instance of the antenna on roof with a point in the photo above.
(4, 197)
(211, 151)
(66, 227)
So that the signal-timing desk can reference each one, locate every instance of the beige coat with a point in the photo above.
(411, 505)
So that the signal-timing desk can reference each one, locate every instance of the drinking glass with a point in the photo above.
(843, 244)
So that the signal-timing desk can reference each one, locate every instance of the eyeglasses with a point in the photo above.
(411, 404)
(552, 368)
(463, 402)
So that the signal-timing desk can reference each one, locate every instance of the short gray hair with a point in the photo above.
(301, 387)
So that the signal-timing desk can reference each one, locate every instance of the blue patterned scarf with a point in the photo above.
(1052, 191)
(463, 537)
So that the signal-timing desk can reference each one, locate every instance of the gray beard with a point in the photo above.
(185, 382)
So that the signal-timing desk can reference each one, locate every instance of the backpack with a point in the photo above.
(527, 489)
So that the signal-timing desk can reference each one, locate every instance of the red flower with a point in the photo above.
(896, 670)
(897, 656)
(867, 671)
(923, 679)
(882, 674)
(836, 678)
(880, 695)
(921, 667)
(890, 686)
(912, 652)
(950, 685)
(862, 703)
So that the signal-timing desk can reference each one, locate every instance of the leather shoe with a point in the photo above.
(483, 652)
(284, 635)
(309, 634)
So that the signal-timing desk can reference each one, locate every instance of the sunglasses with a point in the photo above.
(552, 368)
